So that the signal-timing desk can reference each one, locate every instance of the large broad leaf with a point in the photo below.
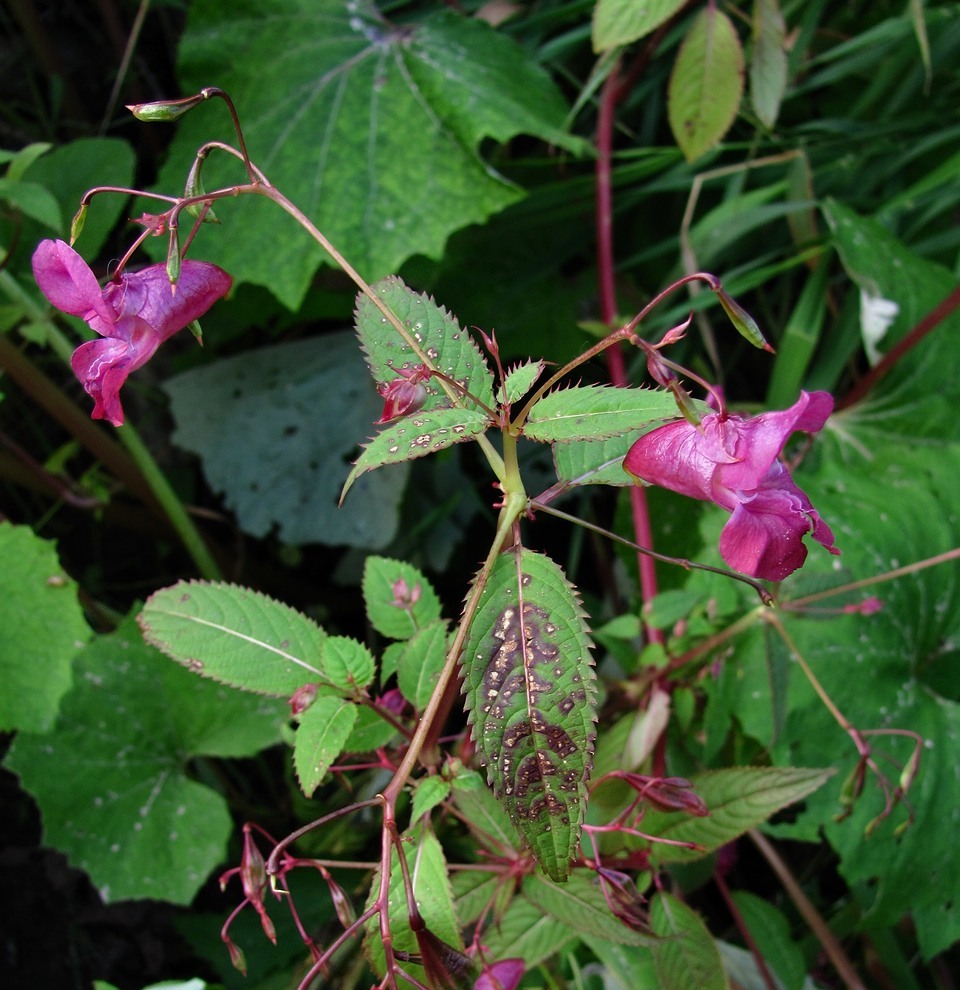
(111, 778)
(275, 429)
(236, 636)
(686, 957)
(41, 627)
(525, 931)
(706, 84)
(529, 683)
(372, 128)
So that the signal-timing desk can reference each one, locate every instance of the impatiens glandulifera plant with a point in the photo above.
(519, 653)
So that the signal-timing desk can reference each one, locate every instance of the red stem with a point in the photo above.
(606, 274)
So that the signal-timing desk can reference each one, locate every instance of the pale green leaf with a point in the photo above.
(738, 799)
(398, 598)
(430, 792)
(580, 903)
(768, 61)
(41, 627)
(32, 200)
(483, 814)
(431, 887)
(533, 709)
(324, 729)
(112, 778)
(420, 663)
(347, 664)
(706, 84)
(235, 635)
(596, 462)
(618, 22)
(686, 957)
(275, 428)
(596, 412)
(526, 932)
(369, 732)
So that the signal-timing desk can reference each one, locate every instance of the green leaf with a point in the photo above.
(236, 636)
(596, 462)
(580, 904)
(382, 579)
(275, 428)
(24, 158)
(430, 792)
(33, 201)
(618, 22)
(416, 436)
(533, 709)
(519, 380)
(596, 412)
(111, 778)
(448, 345)
(524, 931)
(770, 930)
(431, 888)
(420, 663)
(347, 664)
(41, 627)
(324, 729)
(369, 732)
(739, 798)
(373, 129)
(483, 814)
(706, 84)
(687, 957)
(768, 61)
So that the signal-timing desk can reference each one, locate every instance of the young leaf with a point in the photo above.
(529, 685)
(596, 412)
(347, 664)
(369, 732)
(437, 332)
(324, 729)
(519, 380)
(399, 599)
(619, 22)
(486, 818)
(686, 957)
(420, 663)
(768, 62)
(430, 792)
(41, 627)
(415, 436)
(112, 778)
(236, 636)
(706, 84)
(739, 798)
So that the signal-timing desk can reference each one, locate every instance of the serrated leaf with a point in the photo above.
(580, 904)
(526, 932)
(619, 22)
(438, 333)
(347, 664)
(486, 818)
(420, 663)
(41, 627)
(686, 957)
(431, 888)
(595, 462)
(533, 709)
(738, 798)
(111, 778)
(372, 128)
(768, 61)
(706, 84)
(519, 380)
(416, 436)
(596, 412)
(381, 585)
(369, 732)
(275, 428)
(236, 636)
(430, 792)
(324, 729)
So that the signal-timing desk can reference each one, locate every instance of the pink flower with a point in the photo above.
(733, 462)
(133, 315)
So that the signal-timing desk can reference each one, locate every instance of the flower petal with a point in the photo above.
(764, 536)
(69, 284)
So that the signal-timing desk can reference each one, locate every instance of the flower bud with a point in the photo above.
(165, 111)
(401, 397)
(76, 225)
(303, 698)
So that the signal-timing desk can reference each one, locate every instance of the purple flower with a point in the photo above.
(133, 315)
(733, 462)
